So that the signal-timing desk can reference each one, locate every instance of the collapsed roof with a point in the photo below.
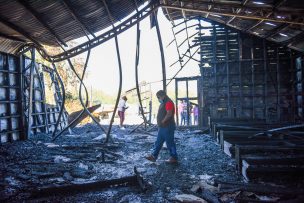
(280, 21)
(55, 22)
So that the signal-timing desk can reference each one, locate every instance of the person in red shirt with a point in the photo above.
(166, 127)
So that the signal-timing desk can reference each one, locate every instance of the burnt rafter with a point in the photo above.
(19, 30)
(237, 11)
(192, 12)
(167, 13)
(277, 4)
(209, 8)
(230, 14)
(76, 17)
(241, 5)
(126, 24)
(40, 18)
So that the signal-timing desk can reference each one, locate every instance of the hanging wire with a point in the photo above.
(85, 89)
(85, 109)
(120, 74)
(62, 101)
(136, 67)
(84, 105)
(161, 49)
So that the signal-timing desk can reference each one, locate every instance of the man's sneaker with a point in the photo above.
(171, 161)
(122, 128)
(150, 158)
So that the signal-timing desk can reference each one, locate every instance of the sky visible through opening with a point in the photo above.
(103, 71)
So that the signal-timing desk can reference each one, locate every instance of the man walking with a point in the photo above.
(166, 128)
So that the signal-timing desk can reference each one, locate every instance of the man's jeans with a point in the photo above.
(165, 135)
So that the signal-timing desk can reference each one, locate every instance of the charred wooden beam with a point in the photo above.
(230, 14)
(40, 19)
(277, 4)
(85, 187)
(168, 14)
(181, 68)
(238, 135)
(84, 115)
(291, 127)
(240, 5)
(135, 180)
(237, 11)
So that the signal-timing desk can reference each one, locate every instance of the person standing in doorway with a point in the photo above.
(121, 111)
(190, 113)
(185, 113)
(181, 107)
(195, 114)
(166, 127)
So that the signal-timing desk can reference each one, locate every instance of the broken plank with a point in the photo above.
(236, 135)
(84, 187)
(74, 115)
(135, 180)
(229, 148)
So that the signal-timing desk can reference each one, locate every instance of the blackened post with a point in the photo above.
(30, 100)
(21, 98)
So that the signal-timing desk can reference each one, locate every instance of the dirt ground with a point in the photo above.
(76, 158)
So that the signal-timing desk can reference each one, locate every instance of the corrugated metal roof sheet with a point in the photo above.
(55, 22)
(65, 19)
(279, 10)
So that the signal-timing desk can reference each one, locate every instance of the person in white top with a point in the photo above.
(121, 110)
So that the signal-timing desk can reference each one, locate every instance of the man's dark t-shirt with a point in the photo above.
(167, 105)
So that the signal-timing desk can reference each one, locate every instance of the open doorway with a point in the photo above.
(187, 101)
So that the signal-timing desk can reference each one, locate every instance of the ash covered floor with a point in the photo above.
(76, 158)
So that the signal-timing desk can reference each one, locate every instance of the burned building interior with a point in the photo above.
(245, 145)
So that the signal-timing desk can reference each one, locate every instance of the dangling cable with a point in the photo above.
(136, 68)
(80, 97)
(161, 49)
(62, 102)
(120, 72)
(85, 89)
(119, 90)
